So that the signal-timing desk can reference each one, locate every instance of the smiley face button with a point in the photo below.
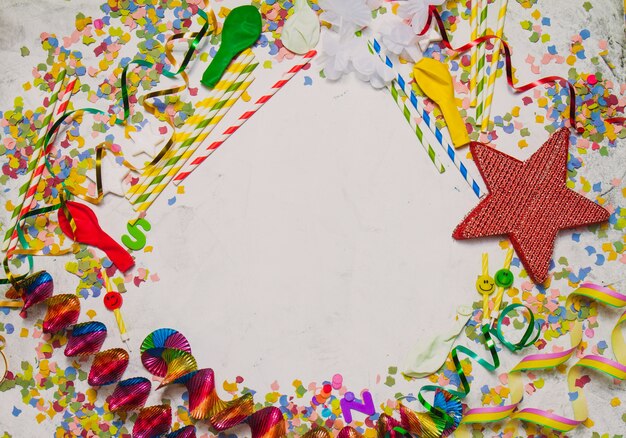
(504, 278)
(113, 300)
(485, 285)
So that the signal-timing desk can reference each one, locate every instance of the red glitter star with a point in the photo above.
(529, 202)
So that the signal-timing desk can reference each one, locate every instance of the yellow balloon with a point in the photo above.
(435, 80)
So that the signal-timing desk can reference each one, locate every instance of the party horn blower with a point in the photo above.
(199, 159)
(429, 121)
(493, 68)
(33, 289)
(63, 311)
(153, 421)
(130, 395)
(108, 367)
(36, 164)
(85, 339)
(434, 78)
(242, 28)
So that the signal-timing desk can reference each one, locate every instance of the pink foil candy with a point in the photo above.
(267, 423)
(130, 394)
(108, 367)
(318, 432)
(349, 432)
(183, 432)
(63, 311)
(153, 421)
(32, 290)
(85, 338)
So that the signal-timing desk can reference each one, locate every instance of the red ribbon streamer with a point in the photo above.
(433, 13)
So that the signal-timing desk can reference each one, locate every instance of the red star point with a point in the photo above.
(528, 201)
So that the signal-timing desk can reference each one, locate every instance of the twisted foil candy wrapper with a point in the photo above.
(318, 432)
(108, 367)
(183, 432)
(85, 339)
(63, 311)
(130, 395)
(166, 353)
(32, 290)
(424, 424)
(349, 432)
(153, 421)
(161, 339)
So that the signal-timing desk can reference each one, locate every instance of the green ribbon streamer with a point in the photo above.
(489, 343)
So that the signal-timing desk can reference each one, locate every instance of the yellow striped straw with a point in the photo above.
(182, 138)
(481, 65)
(146, 200)
(495, 57)
(204, 106)
(474, 51)
(500, 290)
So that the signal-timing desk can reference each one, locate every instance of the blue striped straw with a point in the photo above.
(476, 187)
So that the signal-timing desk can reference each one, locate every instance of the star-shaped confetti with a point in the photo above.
(113, 175)
(528, 201)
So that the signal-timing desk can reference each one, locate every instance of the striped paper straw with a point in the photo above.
(199, 159)
(416, 123)
(493, 68)
(480, 86)
(476, 187)
(37, 164)
(184, 137)
(146, 199)
(474, 51)
(191, 138)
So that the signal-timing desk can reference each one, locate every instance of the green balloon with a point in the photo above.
(242, 29)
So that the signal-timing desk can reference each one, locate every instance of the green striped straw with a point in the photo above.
(416, 123)
(33, 160)
(482, 62)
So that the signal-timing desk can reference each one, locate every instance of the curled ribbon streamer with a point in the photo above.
(433, 13)
(441, 418)
(210, 22)
(613, 368)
